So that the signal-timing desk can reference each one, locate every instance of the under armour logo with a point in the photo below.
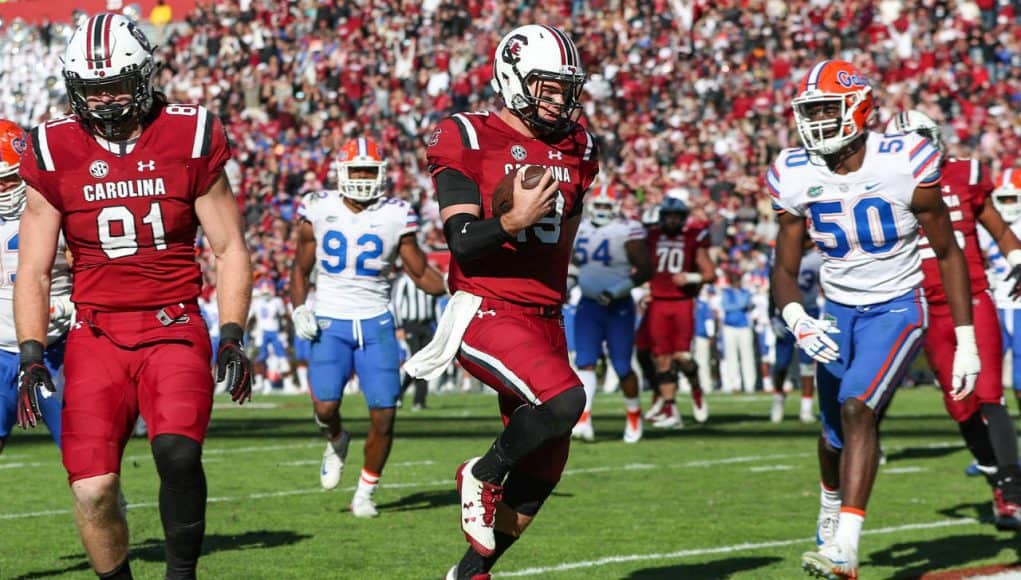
(147, 165)
(484, 313)
(555, 154)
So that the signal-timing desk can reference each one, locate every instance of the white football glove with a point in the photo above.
(811, 334)
(305, 324)
(61, 308)
(967, 365)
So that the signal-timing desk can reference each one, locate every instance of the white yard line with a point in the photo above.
(900, 470)
(763, 468)
(746, 547)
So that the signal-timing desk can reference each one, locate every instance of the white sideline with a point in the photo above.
(747, 547)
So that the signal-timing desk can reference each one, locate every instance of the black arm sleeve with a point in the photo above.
(454, 187)
(470, 238)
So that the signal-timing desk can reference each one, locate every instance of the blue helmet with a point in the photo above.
(672, 205)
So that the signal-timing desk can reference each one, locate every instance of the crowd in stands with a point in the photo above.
(686, 98)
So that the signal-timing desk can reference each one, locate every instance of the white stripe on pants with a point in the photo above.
(739, 347)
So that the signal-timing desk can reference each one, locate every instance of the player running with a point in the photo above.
(611, 258)
(681, 266)
(353, 236)
(12, 205)
(510, 273)
(982, 418)
(861, 196)
(129, 178)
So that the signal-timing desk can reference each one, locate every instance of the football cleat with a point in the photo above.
(975, 470)
(655, 410)
(826, 527)
(452, 575)
(699, 406)
(776, 410)
(669, 418)
(832, 562)
(333, 463)
(362, 506)
(1007, 499)
(633, 427)
(807, 416)
(478, 508)
(583, 430)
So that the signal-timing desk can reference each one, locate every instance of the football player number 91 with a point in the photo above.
(125, 243)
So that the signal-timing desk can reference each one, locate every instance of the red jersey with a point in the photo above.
(129, 219)
(532, 269)
(672, 255)
(965, 187)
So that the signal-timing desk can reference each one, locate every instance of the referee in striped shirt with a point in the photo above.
(416, 317)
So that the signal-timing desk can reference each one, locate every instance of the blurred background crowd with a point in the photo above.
(687, 98)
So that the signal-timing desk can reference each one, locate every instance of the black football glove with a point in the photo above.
(233, 369)
(1015, 277)
(33, 376)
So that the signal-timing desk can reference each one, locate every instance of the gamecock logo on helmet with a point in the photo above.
(512, 51)
(19, 145)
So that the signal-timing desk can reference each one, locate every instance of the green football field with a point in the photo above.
(735, 498)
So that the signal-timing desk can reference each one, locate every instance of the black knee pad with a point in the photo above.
(669, 376)
(178, 458)
(525, 493)
(565, 409)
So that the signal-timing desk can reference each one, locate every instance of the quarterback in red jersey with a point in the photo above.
(515, 267)
(681, 264)
(984, 421)
(129, 178)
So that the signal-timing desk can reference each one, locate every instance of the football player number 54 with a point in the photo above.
(118, 232)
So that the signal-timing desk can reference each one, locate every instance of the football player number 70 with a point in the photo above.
(121, 240)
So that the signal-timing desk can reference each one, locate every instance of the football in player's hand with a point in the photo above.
(503, 196)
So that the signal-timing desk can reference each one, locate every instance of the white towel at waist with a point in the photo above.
(432, 360)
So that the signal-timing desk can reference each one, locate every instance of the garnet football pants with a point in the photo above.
(671, 325)
(121, 364)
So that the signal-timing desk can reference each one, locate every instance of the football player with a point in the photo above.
(129, 178)
(982, 418)
(681, 265)
(611, 258)
(509, 272)
(352, 236)
(266, 313)
(861, 196)
(12, 205)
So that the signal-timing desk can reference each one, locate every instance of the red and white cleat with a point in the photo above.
(478, 508)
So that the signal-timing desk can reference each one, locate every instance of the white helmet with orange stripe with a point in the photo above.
(1007, 195)
(361, 170)
(109, 54)
(538, 73)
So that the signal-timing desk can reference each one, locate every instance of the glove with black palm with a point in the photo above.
(233, 369)
(33, 376)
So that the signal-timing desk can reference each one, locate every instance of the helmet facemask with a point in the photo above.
(540, 91)
(114, 120)
(672, 227)
(12, 193)
(1007, 201)
(826, 121)
(602, 211)
(361, 180)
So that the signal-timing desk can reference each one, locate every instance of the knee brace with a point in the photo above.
(685, 365)
(178, 458)
(666, 377)
(525, 493)
(563, 410)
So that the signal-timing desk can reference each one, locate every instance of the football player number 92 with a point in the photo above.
(125, 242)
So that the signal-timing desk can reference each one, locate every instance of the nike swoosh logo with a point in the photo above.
(464, 230)
(871, 186)
(804, 335)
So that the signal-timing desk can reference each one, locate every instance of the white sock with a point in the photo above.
(829, 499)
(767, 383)
(633, 405)
(588, 382)
(302, 373)
(849, 529)
(367, 483)
(806, 405)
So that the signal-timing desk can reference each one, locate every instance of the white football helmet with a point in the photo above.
(916, 122)
(109, 54)
(1007, 195)
(360, 153)
(537, 53)
(602, 208)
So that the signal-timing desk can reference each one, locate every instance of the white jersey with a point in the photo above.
(60, 285)
(997, 268)
(355, 252)
(601, 256)
(862, 221)
(267, 311)
(808, 278)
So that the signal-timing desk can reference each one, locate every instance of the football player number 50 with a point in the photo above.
(869, 225)
(121, 240)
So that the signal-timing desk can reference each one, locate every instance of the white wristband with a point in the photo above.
(966, 338)
(692, 278)
(1014, 257)
(792, 313)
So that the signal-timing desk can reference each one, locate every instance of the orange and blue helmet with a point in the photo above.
(1007, 195)
(361, 153)
(833, 106)
(12, 145)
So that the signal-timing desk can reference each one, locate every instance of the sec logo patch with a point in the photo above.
(99, 169)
